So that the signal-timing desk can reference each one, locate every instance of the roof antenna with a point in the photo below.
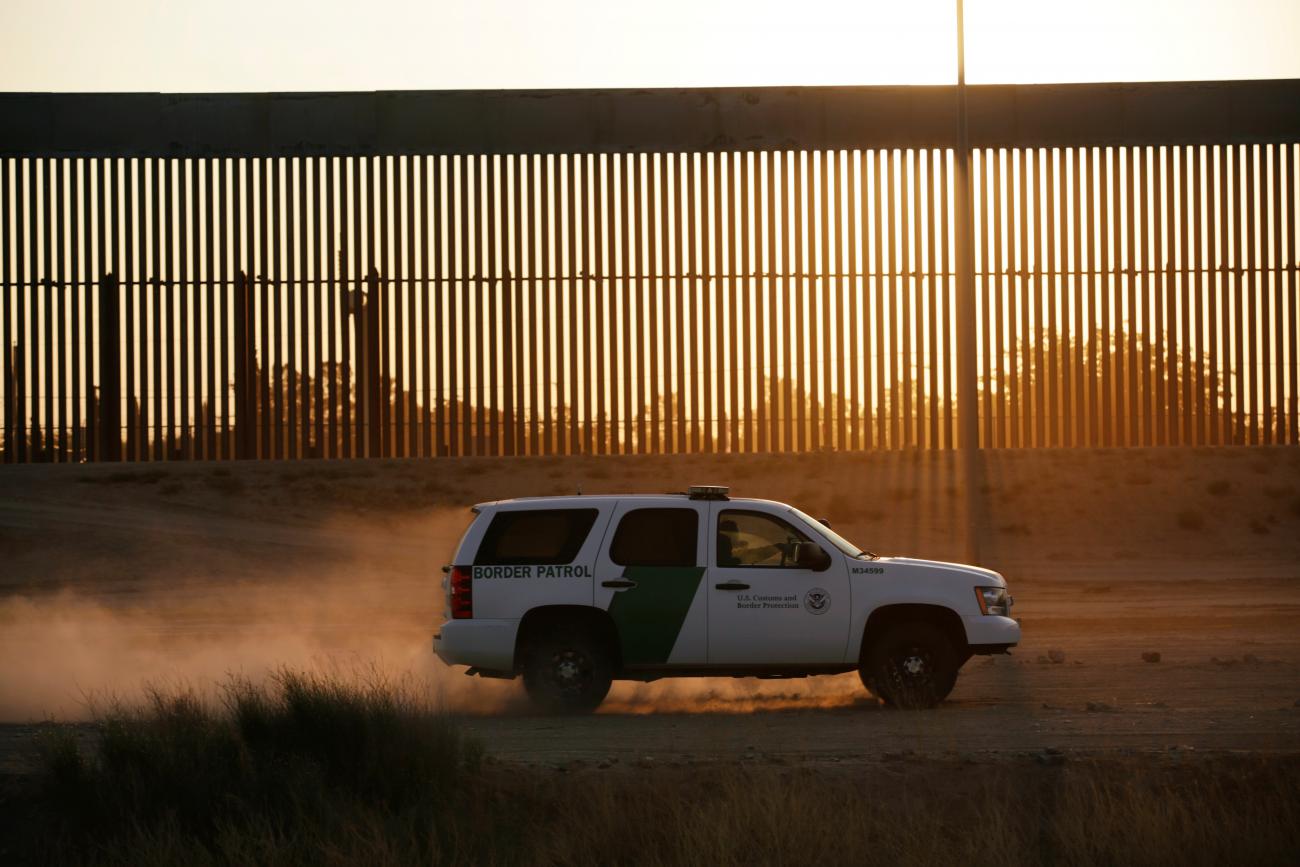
(579, 489)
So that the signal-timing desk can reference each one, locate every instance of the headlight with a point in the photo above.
(994, 600)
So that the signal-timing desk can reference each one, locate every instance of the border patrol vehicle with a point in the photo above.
(574, 592)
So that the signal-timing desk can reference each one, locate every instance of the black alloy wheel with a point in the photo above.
(567, 673)
(911, 666)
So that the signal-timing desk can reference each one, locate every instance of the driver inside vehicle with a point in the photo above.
(752, 539)
(728, 543)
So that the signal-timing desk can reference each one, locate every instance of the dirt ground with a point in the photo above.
(114, 577)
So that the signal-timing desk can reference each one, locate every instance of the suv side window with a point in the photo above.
(542, 537)
(656, 537)
(756, 540)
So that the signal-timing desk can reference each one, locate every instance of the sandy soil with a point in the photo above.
(115, 577)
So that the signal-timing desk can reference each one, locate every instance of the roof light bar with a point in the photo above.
(709, 492)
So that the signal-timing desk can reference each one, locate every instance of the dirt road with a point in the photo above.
(185, 575)
(1228, 679)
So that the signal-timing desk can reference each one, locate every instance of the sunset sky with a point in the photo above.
(256, 45)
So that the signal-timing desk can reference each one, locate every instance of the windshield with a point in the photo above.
(834, 538)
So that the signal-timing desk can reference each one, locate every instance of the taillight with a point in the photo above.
(462, 592)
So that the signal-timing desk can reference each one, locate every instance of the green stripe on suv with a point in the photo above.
(650, 615)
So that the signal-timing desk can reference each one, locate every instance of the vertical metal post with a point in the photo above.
(409, 321)
(181, 312)
(46, 386)
(1057, 317)
(321, 250)
(931, 297)
(298, 173)
(436, 272)
(7, 226)
(575, 291)
(785, 297)
(968, 428)
(738, 226)
(800, 219)
(819, 168)
(762, 260)
(208, 294)
(1072, 400)
(244, 412)
(260, 317)
(1287, 279)
(878, 201)
(509, 243)
(488, 396)
(679, 264)
(154, 447)
(984, 291)
(420, 194)
(374, 378)
(79, 448)
(654, 290)
(110, 382)
(1001, 301)
(633, 345)
(712, 266)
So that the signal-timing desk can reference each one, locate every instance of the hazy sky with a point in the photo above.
(252, 45)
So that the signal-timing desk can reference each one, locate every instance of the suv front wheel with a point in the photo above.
(911, 666)
(566, 673)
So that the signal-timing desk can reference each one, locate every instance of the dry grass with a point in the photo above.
(287, 771)
(1133, 811)
(313, 770)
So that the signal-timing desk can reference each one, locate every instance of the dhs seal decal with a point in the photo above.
(817, 601)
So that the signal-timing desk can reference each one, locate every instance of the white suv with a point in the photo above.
(572, 592)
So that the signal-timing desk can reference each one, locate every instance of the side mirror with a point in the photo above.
(810, 555)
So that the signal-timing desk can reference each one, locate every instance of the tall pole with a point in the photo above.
(967, 391)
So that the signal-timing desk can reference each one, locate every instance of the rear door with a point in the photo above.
(536, 555)
(649, 576)
(764, 610)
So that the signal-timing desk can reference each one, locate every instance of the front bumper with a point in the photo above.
(488, 644)
(984, 630)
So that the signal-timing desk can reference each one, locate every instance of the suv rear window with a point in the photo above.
(656, 537)
(545, 537)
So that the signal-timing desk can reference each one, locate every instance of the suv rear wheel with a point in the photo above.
(911, 666)
(566, 673)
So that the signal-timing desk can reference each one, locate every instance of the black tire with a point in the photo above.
(567, 671)
(910, 666)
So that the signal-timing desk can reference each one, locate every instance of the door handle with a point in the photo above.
(731, 585)
(618, 585)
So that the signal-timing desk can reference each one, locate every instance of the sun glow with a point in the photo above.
(398, 44)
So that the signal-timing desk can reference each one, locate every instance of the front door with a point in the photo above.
(764, 609)
(649, 577)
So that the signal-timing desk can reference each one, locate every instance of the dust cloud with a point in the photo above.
(64, 655)
(351, 598)
(732, 695)
(348, 598)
